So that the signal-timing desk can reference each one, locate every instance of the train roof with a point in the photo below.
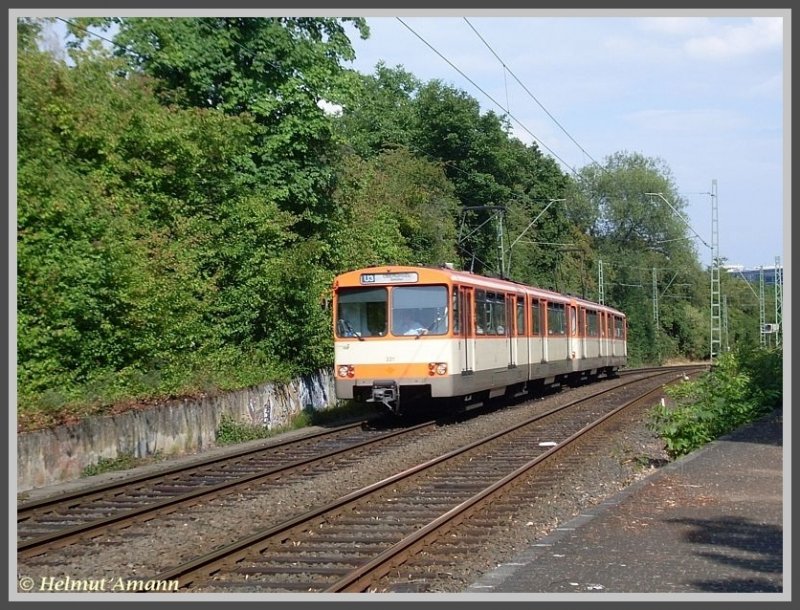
(405, 275)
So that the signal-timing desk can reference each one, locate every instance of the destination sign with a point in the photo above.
(390, 278)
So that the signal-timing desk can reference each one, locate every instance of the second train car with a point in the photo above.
(404, 334)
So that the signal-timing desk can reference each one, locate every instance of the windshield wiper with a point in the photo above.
(352, 330)
(425, 331)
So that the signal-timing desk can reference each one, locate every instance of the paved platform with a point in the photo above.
(709, 523)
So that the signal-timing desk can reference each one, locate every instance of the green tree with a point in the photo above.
(637, 235)
(396, 208)
(378, 111)
(142, 241)
(276, 69)
(484, 163)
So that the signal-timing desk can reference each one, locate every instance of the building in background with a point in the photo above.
(771, 272)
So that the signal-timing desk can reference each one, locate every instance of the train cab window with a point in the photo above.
(520, 315)
(556, 320)
(419, 310)
(361, 312)
(536, 322)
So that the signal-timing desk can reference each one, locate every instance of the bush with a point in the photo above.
(231, 432)
(741, 387)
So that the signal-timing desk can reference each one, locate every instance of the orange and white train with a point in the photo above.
(412, 333)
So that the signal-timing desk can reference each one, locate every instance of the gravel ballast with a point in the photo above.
(144, 550)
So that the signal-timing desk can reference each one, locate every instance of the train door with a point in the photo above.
(573, 341)
(605, 333)
(536, 340)
(540, 311)
(511, 317)
(521, 334)
(467, 340)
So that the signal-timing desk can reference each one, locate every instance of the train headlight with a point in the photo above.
(346, 370)
(437, 368)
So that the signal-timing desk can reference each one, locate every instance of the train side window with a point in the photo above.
(593, 330)
(556, 321)
(499, 314)
(491, 313)
(481, 312)
(521, 315)
(536, 324)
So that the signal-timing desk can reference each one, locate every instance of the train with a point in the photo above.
(415, 335)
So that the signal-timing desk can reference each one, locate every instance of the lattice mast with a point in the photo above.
(716, 318)
(762, 314)
(778, 301)
(726, 340)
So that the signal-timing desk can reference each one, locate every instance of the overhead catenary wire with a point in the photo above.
(533, 97)
(494, 101)
(253, 55)
(499, 105)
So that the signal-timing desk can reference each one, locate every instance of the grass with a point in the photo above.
(121, 462)
(231, 432)
(111, 393)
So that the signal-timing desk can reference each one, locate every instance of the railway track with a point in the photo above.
(353, 542)
(49, 524)
(54, 522)
(65, 518)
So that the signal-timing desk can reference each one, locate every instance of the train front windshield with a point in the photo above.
(362, 312)
(415, 310)
(419, 310)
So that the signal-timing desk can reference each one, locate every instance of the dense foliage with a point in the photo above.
(744, 385)
(184, 200)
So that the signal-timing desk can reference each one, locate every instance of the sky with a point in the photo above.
(703, 94)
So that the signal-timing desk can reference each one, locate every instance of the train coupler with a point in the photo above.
(388, 393)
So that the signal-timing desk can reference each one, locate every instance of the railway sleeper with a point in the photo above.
(306, 558)
(321, 570)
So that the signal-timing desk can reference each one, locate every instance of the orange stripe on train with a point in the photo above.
(394, 370)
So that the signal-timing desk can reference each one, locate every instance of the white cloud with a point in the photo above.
(737, 41)
(714, 40)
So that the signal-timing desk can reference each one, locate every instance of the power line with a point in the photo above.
(88, 31)
(521, 84)
(479, 88)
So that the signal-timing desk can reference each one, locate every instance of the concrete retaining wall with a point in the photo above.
(55, 455)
